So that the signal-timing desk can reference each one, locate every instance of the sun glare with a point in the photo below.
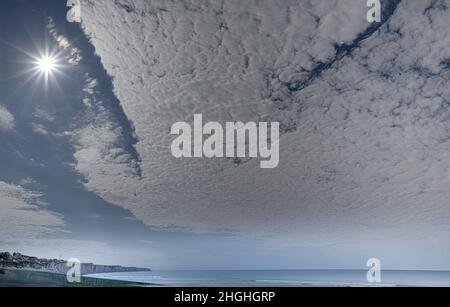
(46, 64)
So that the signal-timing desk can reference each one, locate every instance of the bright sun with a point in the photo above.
(46, 64)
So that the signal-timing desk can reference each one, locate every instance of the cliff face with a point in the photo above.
(19, 261)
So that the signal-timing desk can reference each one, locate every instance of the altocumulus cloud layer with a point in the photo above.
(363, 109)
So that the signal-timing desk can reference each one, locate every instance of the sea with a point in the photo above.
(281, 278)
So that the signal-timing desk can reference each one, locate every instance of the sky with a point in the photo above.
(86, 168)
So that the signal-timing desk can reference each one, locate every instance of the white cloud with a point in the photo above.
(41, 114)
(100, 155)
(39, 128)
(369, 136)
(64, 43)
(6, 120)
(23, 214)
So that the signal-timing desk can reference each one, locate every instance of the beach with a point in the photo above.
(29, 278)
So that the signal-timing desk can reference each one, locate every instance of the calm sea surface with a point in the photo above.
(280, 278)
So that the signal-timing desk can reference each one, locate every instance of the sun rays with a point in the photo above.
(46, 65)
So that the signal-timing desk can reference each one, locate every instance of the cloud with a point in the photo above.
(99, 146)
(43, 115)
(63, 42)
(365, 135)
(6, 120)
(39, 128)
(23, 214)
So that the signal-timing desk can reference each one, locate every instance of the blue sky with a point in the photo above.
(46, 158)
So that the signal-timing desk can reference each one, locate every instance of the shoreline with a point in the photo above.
(29, 278)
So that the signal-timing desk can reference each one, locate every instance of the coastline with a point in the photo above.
(29, 278)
